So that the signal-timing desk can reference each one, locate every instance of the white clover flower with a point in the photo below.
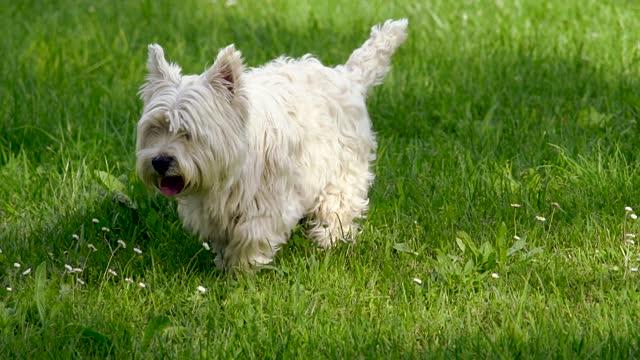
(26, 272)
(75, 237)
(92, 247)
(206, 246)
(495, 275)
(95, 221)
(516, 237)
(105, 229)
(79, 281)
(630, 236)
(555, 204)
(137, 251)
(541, 218)
(129, 280)
(122, 243)
(16, 265)
(77, 270)
(112, 272)
(9, 288)
(633, 216)
(628, 209)
(417, 281)
(516, 205)
(634, 269)
(68, 267)
(630, 242)
(142, 285)
(202, 289)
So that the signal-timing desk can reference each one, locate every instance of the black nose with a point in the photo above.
(162, 163)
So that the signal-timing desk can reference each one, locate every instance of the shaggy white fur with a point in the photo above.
(248, 153)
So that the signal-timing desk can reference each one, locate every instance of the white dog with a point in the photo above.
(248, 153)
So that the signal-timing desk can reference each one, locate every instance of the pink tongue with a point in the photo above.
(171, 185)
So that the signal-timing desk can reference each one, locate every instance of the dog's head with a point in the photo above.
(191, 135)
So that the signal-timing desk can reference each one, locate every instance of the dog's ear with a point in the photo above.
(156, 64)
(227, 69)
(160, 73)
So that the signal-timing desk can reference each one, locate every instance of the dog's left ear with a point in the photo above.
(227, 69)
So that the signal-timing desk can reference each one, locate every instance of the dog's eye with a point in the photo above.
(156, 129)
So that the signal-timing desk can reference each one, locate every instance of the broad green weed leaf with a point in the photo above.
(155, 326)
(109, 182)
(404, 248)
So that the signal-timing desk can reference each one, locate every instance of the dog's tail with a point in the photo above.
(370, 63)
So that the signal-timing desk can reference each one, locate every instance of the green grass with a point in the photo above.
(489, 103)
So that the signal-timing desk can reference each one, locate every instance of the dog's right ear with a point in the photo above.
(156, 64)
(160, 73)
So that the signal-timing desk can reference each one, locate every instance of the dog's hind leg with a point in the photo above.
(253, 242)
(337, 207)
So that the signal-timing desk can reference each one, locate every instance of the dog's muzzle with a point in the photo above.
(169, 185)
(162, 163)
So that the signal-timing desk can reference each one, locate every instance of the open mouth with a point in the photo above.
(171, 185)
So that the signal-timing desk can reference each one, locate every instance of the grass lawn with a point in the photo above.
(490, 105)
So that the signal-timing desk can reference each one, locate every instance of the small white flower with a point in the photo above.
(417, 281)
(79, 281)
(630, 236)
(16, 265)
(77, 270)
(541, 218)
(555, 204)
(110, 271)
(142, 285)
(122, 243)
(628, 209)
(633, 216)
(93, 248)
(26, 272)
(630, 242)
(137, 251)
(206, 246)
(495, 276)
(9, 288)
(68, 267)
(75, 237)
(634, 269)
(516, 237)
(230, 3)
(105, 229)
(129, 280)
(201, 289)
(95, 221)
(0, 251)
(516, 205)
